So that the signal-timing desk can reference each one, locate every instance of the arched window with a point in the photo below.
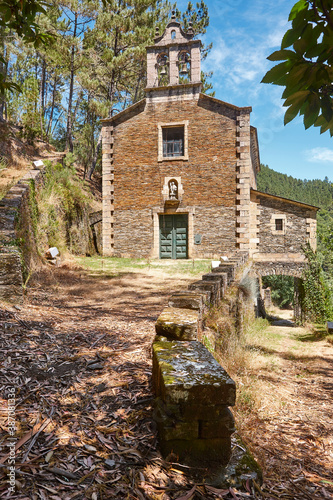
(173, 34)
(163, 69)
(184, 67)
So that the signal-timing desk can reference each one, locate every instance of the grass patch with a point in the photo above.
(317, 333)
(115, 265)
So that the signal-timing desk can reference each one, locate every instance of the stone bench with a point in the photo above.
(330, 326)
(193, 395)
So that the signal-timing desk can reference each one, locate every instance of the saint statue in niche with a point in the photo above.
(173, 190)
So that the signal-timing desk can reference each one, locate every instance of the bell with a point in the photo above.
(163, 71)
(183, 69)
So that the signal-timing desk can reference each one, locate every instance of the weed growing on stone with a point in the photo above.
(63, 210)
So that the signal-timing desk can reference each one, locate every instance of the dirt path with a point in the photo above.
(294, 367)
(76, 356)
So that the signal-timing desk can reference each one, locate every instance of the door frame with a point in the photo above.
(156, 212)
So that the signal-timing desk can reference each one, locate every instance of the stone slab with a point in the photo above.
(187, 373)
(330, 326)
(178, 324)
(207, 286)
(169, 429)
(208, 412)
(187, 300)
(210, 429)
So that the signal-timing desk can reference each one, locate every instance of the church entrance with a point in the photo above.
(173, 236)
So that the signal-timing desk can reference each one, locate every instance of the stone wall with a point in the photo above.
(208, 174)
(193, 392)
(217, 227)
(18, 249)
(299, 228)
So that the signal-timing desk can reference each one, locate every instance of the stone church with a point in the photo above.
(180, 167)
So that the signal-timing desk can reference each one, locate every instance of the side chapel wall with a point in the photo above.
(299, 223)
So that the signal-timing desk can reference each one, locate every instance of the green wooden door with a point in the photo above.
(173, 236)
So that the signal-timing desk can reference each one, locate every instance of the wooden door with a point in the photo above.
(173, 236)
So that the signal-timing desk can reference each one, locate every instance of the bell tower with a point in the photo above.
(173, 63)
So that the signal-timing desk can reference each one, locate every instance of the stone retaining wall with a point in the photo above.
(17, 232)
(193, 392)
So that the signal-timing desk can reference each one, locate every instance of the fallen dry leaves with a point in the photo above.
(77, 354)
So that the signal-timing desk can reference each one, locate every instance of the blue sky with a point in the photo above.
(244, 33)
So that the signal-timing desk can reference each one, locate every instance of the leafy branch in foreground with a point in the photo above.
(306, 68)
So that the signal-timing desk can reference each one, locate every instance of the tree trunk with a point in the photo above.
(54, 92)
(42, 97)
(111, 94)
(69, 139)
(98, 147)
(3, 72)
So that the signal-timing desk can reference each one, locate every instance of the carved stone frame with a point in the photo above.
(165, 189)
(190, 211)
(284, 224)
(160, 127)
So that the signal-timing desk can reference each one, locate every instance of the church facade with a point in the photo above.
(180, 167)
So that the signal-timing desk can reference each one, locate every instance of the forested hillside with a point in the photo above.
(314, 192)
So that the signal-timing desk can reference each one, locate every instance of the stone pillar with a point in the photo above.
(173, 65)
(107, 189)
(243, 180)
(311, 230)
(152, 79)
(195, 63)
(298, 312)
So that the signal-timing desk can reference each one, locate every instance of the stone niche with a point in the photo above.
(172, 191)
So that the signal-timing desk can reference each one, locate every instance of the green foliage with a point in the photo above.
(19, 16)
(282, 289)
(61, 202)
(317, 298)
(314, 192)
(33, 206)
(306, 67)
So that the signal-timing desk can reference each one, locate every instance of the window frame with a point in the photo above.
(276, 217)
(161, 127)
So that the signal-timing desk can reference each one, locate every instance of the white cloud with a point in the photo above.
(319, 155)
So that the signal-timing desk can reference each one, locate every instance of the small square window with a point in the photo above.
(173, 142)
(278, 224)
